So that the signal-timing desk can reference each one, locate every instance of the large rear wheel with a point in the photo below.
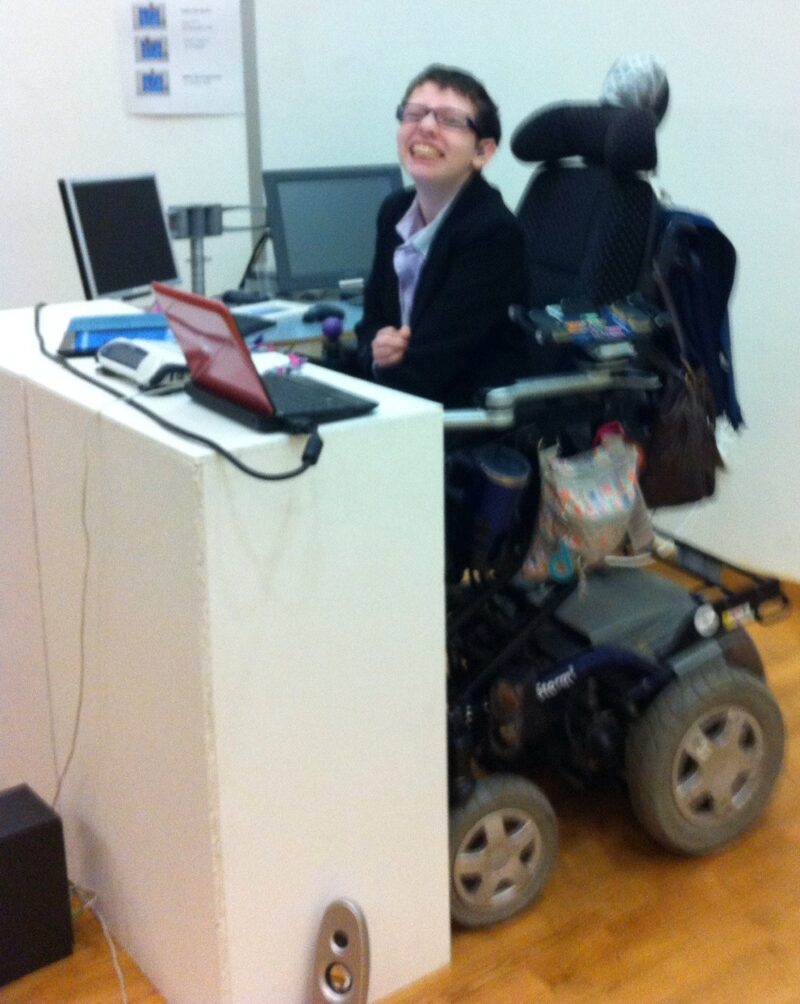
(702, 760)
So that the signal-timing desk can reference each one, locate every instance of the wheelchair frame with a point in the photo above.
(529, 687)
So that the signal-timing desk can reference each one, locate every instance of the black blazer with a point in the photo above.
(461, 338)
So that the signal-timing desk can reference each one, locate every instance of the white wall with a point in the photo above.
(62, 115)
(329, 85)
(330, 78)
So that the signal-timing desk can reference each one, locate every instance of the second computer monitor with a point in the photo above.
(119, 234)
(323, 222)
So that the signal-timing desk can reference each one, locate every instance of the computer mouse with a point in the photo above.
(322, 310)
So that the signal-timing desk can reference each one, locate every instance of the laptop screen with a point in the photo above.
(216, 354)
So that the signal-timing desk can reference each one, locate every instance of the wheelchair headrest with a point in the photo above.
(623, 139)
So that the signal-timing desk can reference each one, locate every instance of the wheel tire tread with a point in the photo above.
(652, 740)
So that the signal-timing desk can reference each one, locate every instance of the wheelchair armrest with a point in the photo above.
(472, 419)
(588, 381)
(499, 410)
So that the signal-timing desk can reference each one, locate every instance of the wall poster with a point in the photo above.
(181, 58)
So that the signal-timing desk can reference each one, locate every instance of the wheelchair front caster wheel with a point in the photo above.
(503, 845)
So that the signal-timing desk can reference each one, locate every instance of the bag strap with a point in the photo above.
(669, 302)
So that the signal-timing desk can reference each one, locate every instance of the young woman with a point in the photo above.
(449, 256)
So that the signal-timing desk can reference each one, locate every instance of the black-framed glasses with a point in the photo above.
(447, 118)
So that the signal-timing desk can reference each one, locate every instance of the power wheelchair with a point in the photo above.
(625, 672)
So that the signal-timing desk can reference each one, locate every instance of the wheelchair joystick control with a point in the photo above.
(331, 332)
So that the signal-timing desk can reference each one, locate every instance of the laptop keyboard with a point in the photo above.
(292, 394)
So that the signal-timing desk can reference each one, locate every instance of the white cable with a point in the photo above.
(88, 901)
(114, 957)
(82, 623)
(40, 587)
(60, 776)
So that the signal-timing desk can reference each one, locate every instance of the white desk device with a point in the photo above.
(146, 363)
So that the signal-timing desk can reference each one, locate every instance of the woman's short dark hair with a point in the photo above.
(487, 117)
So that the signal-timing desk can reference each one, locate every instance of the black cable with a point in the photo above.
(262, 240)
(311, 453)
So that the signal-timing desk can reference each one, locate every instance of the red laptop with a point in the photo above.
(225, 378)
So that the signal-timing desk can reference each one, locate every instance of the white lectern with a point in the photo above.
(249, 675)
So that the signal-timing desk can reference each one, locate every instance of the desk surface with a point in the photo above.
(19, 352)
(290, 328)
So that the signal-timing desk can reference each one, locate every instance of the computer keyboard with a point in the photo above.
(291, 393)
(251, 324)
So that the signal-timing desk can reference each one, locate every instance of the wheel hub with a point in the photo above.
(497, 857)
(718, 764)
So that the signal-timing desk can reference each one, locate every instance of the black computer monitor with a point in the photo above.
(119, 234)
(323, 222)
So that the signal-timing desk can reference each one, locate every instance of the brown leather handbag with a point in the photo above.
(682, 455)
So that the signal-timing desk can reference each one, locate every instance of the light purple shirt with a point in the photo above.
(409, 257)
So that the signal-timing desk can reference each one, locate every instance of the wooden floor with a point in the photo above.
(86, 977)
(620, 921)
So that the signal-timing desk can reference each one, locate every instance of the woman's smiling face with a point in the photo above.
(441, 156)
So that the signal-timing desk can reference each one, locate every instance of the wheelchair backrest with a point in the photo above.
(589, 218)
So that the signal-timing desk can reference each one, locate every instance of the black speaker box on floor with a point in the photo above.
(35, 917)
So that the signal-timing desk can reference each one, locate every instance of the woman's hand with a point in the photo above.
(389, 346)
